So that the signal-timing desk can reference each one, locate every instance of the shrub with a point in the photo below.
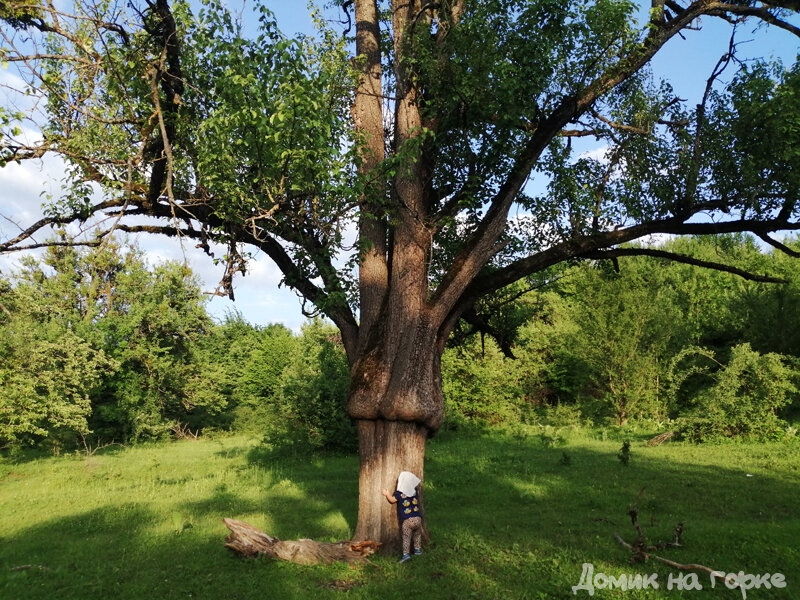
(743, 398)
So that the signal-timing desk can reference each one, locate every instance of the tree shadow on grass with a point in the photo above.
(114, 553)
(510, 517)
(537, 519)
(328, 481)
(507, 517)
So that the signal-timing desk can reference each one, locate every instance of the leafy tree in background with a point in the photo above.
(603, 340)
(153, 334)
(481, 384)
(424, 139)
(770, 313)
(709, 301)
(48, 370)
(262, 374)
(314, 391)
(47, 374)
(120, 339)
(254, 360)
(625, 328)
(632, 322)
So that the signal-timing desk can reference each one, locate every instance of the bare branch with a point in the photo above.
(580, 133)
(481, 325)
(56, 243)
(43, 56)
(776, 244)
(762, 12)
(693, 175)
(13, 245)
(681, 258)
(672, 563)
(620, 126)
(642, 551)
(338, 310)
(584, 245)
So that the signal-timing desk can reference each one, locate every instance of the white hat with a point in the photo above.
(407, 483)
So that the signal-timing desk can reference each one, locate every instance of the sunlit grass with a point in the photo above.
(509, 518)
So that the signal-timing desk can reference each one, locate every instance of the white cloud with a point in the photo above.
(22, 186)
(656, 240)
(11, 81)
(599, 154)
(257, 295)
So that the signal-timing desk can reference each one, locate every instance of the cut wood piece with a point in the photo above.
(246, 540)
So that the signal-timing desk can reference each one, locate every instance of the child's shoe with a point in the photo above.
(418, 551)
(406, 558)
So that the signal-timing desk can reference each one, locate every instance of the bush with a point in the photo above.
(743, 399)
(46, 386)
(561, 415)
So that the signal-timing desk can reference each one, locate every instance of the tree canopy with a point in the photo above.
(163, 112)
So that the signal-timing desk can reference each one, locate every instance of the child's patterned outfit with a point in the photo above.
(410, 516)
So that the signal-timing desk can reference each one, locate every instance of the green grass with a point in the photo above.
(509, 518)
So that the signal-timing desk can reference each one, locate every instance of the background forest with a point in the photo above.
(97, 346)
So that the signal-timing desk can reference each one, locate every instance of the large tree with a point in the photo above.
(421, 133)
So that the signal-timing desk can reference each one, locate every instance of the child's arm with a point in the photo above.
(389, 497)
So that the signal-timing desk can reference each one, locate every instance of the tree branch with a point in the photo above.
(332, 302)
(693, 176)
(367, 113)
(681, 258)
(13, 245)
(776, 244)
(584, 245)
(642, 551)
(762, 13)
(481, 324)
(620, 126)
(479, 248)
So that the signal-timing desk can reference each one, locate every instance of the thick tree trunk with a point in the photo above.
(386, 448)
(396, 401)
(396, 388)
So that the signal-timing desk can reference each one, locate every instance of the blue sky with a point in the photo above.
(686, 63)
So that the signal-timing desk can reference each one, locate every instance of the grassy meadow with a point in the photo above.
(512, 514)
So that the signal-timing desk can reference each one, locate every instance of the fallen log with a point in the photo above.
(661, 438)
(248, 541)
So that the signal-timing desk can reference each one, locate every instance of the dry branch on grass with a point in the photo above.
(642, 551)
(89, 450)
(661, 438)
(248, 541)
(182, 432)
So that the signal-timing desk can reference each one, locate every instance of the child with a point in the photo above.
(409, 512)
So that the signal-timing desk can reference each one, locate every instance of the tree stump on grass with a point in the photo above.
(246, 540)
